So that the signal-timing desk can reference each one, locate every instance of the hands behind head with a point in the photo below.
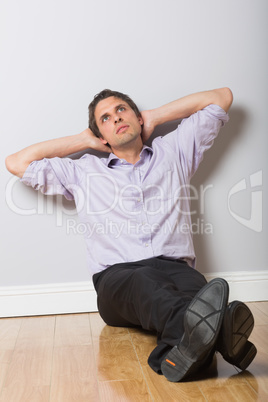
(148, 125)
(94, 142)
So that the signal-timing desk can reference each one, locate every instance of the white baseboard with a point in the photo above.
(246, 286)
(61, 298)
(80, 297)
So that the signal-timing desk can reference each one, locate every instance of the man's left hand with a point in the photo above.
(148, 125)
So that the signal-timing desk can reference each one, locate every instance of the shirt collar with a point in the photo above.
(113, 159)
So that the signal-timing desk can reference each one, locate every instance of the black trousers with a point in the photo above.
(152, 294)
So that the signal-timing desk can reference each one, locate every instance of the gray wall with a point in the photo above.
(55, 55)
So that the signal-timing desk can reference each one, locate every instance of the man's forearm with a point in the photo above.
(190, 104)
(17, 163)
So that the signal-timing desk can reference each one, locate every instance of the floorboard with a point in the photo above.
(76, 357)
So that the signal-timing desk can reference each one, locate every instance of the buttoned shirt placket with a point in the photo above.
(143, 229)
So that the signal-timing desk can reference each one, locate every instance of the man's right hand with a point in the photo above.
(94, 142)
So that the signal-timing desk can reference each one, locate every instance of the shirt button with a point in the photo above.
(121, 160)
(146, 244)
(139, 200)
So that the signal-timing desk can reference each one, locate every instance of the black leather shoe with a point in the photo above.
(202, 323)
(233, 344)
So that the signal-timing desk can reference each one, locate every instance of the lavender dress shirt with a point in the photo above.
(133, 212)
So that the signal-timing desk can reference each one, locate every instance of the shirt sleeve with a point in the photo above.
(53, 176)
(195, 135)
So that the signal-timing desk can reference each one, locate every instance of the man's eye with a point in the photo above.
(121, 109)
(105, 119)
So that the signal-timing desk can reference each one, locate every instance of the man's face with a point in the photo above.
(118, 123)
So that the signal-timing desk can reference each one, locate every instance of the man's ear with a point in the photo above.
(140, 120)
(103, 140)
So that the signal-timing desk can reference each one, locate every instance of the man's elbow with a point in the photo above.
(14, 166)
(225, 98)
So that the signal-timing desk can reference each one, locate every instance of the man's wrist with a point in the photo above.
(85, 137)
(155, 117)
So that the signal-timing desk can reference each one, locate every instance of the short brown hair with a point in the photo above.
(106, 93)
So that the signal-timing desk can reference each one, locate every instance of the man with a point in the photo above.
(135, 208)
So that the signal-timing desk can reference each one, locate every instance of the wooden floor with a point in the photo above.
(78, 358)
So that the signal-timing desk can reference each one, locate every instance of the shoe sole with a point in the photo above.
(238, 323)
(247, 355)
(202, 323)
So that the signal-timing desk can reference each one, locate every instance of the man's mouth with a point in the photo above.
(121, 129)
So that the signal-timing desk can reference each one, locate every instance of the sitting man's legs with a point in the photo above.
(157, 294)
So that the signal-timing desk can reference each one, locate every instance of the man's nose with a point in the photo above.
(117, 119)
